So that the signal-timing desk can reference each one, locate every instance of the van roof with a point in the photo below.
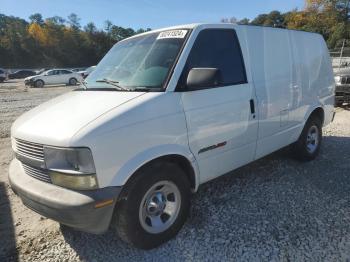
(194, 25)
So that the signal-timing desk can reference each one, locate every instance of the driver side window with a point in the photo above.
(217, 48)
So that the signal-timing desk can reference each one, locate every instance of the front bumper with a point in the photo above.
(72, 208)
(342, 94)
(29, 82)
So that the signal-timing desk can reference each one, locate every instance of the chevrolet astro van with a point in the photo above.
(164, 112)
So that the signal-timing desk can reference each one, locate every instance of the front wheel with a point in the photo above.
(154, 207)
(308, 145)
(73, 81)
(39, 83)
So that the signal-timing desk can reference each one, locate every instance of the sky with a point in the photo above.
(147, 13)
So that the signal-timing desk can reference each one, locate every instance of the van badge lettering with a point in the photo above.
(222, 144)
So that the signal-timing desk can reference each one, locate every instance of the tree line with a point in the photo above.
(63, 42)
(329, 18)
(56, 41)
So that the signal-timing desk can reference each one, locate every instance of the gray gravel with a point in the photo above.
(275, 209)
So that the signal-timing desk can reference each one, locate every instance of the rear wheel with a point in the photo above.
(308, 145)
(154, 206)
(39, 83)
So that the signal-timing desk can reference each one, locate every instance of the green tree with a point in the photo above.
(273, 19)
(90, 28)
(74, 21)
(108, 26)
(118, 33)
(259, 20)
(244, 21)
(36, 18)
(57, 20)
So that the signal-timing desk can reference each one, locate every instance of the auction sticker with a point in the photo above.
(172, 34)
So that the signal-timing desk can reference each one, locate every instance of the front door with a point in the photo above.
(53, 77)
(222, 125)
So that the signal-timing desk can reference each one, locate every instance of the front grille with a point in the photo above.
(345, 80)
(37, 173)
(29, 149)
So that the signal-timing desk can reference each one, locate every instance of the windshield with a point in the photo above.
(140, 62)
(45, 72)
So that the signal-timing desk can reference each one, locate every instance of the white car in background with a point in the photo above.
(54, 77)
(85, 73)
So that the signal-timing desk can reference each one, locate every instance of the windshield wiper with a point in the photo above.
(113, 83)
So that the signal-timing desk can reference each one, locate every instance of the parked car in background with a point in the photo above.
(342, 88)
(163, 113)
(2, 75)
(80, 69)
(21, 74)
(88, 71)
(54, 77)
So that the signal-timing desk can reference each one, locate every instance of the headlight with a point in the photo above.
(71, 167)
(337, 80)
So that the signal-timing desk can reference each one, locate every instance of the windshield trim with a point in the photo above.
(172, 69)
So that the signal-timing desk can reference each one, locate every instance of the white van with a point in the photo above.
(164, 112)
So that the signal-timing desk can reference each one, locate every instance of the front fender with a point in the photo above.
(127, 170)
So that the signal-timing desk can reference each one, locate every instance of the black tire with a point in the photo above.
(39, 83)
(301, 148)
(127, 218)
(73, 81)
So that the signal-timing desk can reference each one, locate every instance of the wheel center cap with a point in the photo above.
(156, 204)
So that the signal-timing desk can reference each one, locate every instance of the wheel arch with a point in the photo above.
(185, 160)
(317, 112)
(39, 79)
(313, 111)
(73, 77)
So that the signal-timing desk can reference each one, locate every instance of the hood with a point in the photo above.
(30, 77)
(58, 120)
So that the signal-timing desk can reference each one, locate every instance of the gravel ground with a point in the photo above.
(275, 209)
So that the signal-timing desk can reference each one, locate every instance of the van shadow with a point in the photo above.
(275, 200)
(8, 250)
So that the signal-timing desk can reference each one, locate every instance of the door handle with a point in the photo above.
(252, 107)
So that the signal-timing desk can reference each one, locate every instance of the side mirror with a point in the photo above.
(201, 78)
